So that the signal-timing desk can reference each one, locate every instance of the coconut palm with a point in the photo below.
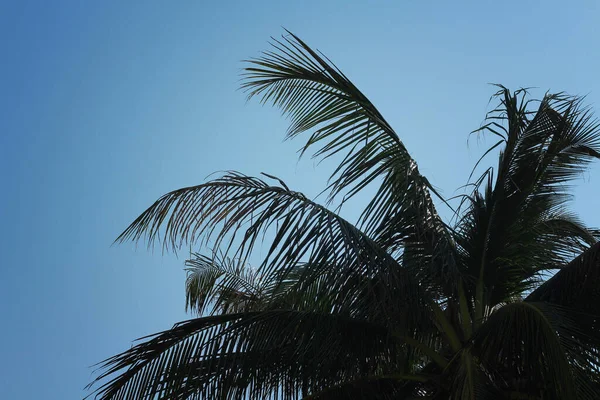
(500, 301)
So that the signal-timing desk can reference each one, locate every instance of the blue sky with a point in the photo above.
(105, 106)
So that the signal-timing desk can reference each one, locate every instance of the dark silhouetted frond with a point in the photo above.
(273, 354)
(318, 97)
(517, 226)
(519, 347)
(576, 285)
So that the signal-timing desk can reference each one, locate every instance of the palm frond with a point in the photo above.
(317, 96)
(274, 354)
(378, 387)
(519, 346)
(576, 285)
(579, 336)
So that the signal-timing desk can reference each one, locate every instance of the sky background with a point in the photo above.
(105, 106)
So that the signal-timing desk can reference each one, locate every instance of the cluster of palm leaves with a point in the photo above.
(503, 301)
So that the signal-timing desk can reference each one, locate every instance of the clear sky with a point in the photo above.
(106, 105)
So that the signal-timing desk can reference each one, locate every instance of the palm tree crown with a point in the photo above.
(400, 304)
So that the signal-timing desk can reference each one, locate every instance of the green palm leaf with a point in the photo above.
(259, 354)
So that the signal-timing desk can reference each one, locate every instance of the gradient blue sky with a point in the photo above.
(105, 106)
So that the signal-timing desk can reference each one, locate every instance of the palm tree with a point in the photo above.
(502, 301)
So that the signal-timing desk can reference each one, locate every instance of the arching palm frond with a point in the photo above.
(317, 96)
(272, 354)
(366, 284)
(365, 278)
